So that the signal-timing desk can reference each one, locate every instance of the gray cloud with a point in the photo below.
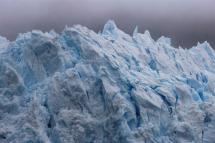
(185, 21)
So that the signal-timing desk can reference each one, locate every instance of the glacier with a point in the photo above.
(79, 86)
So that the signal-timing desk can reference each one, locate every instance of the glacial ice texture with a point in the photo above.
(82, 87)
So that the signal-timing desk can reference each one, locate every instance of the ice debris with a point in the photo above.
(84, 87)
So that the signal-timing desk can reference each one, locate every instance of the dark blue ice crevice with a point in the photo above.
(154, 87)
(207, 118)
(153, 65)
(168, 103)
(201, 94)
(134, 102)
(102, 93)
(148, 51)
(202, 77)
(177, 96)
(178, 66)
(164, 98)
(198, 87)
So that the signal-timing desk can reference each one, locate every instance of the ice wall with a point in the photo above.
(82, 87)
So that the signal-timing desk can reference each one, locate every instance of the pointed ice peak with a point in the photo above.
(164, 40)
(110, 30)
(52, 34)
(207, 44)
(67, 28)
(203, 45)
(147, 37)
(147, 33)
(110, 26)
(135, 31)
(37, 33)
(198, 44)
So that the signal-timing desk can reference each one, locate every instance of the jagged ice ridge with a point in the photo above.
(84, 87)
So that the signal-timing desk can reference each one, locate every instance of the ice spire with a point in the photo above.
(135, 31)
(110, 30)
(147, 33)
(164, 40)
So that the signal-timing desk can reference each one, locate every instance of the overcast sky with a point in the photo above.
(185, 21)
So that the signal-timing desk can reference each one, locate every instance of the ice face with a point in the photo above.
(84, 87)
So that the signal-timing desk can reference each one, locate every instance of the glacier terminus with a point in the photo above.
(108, 87)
